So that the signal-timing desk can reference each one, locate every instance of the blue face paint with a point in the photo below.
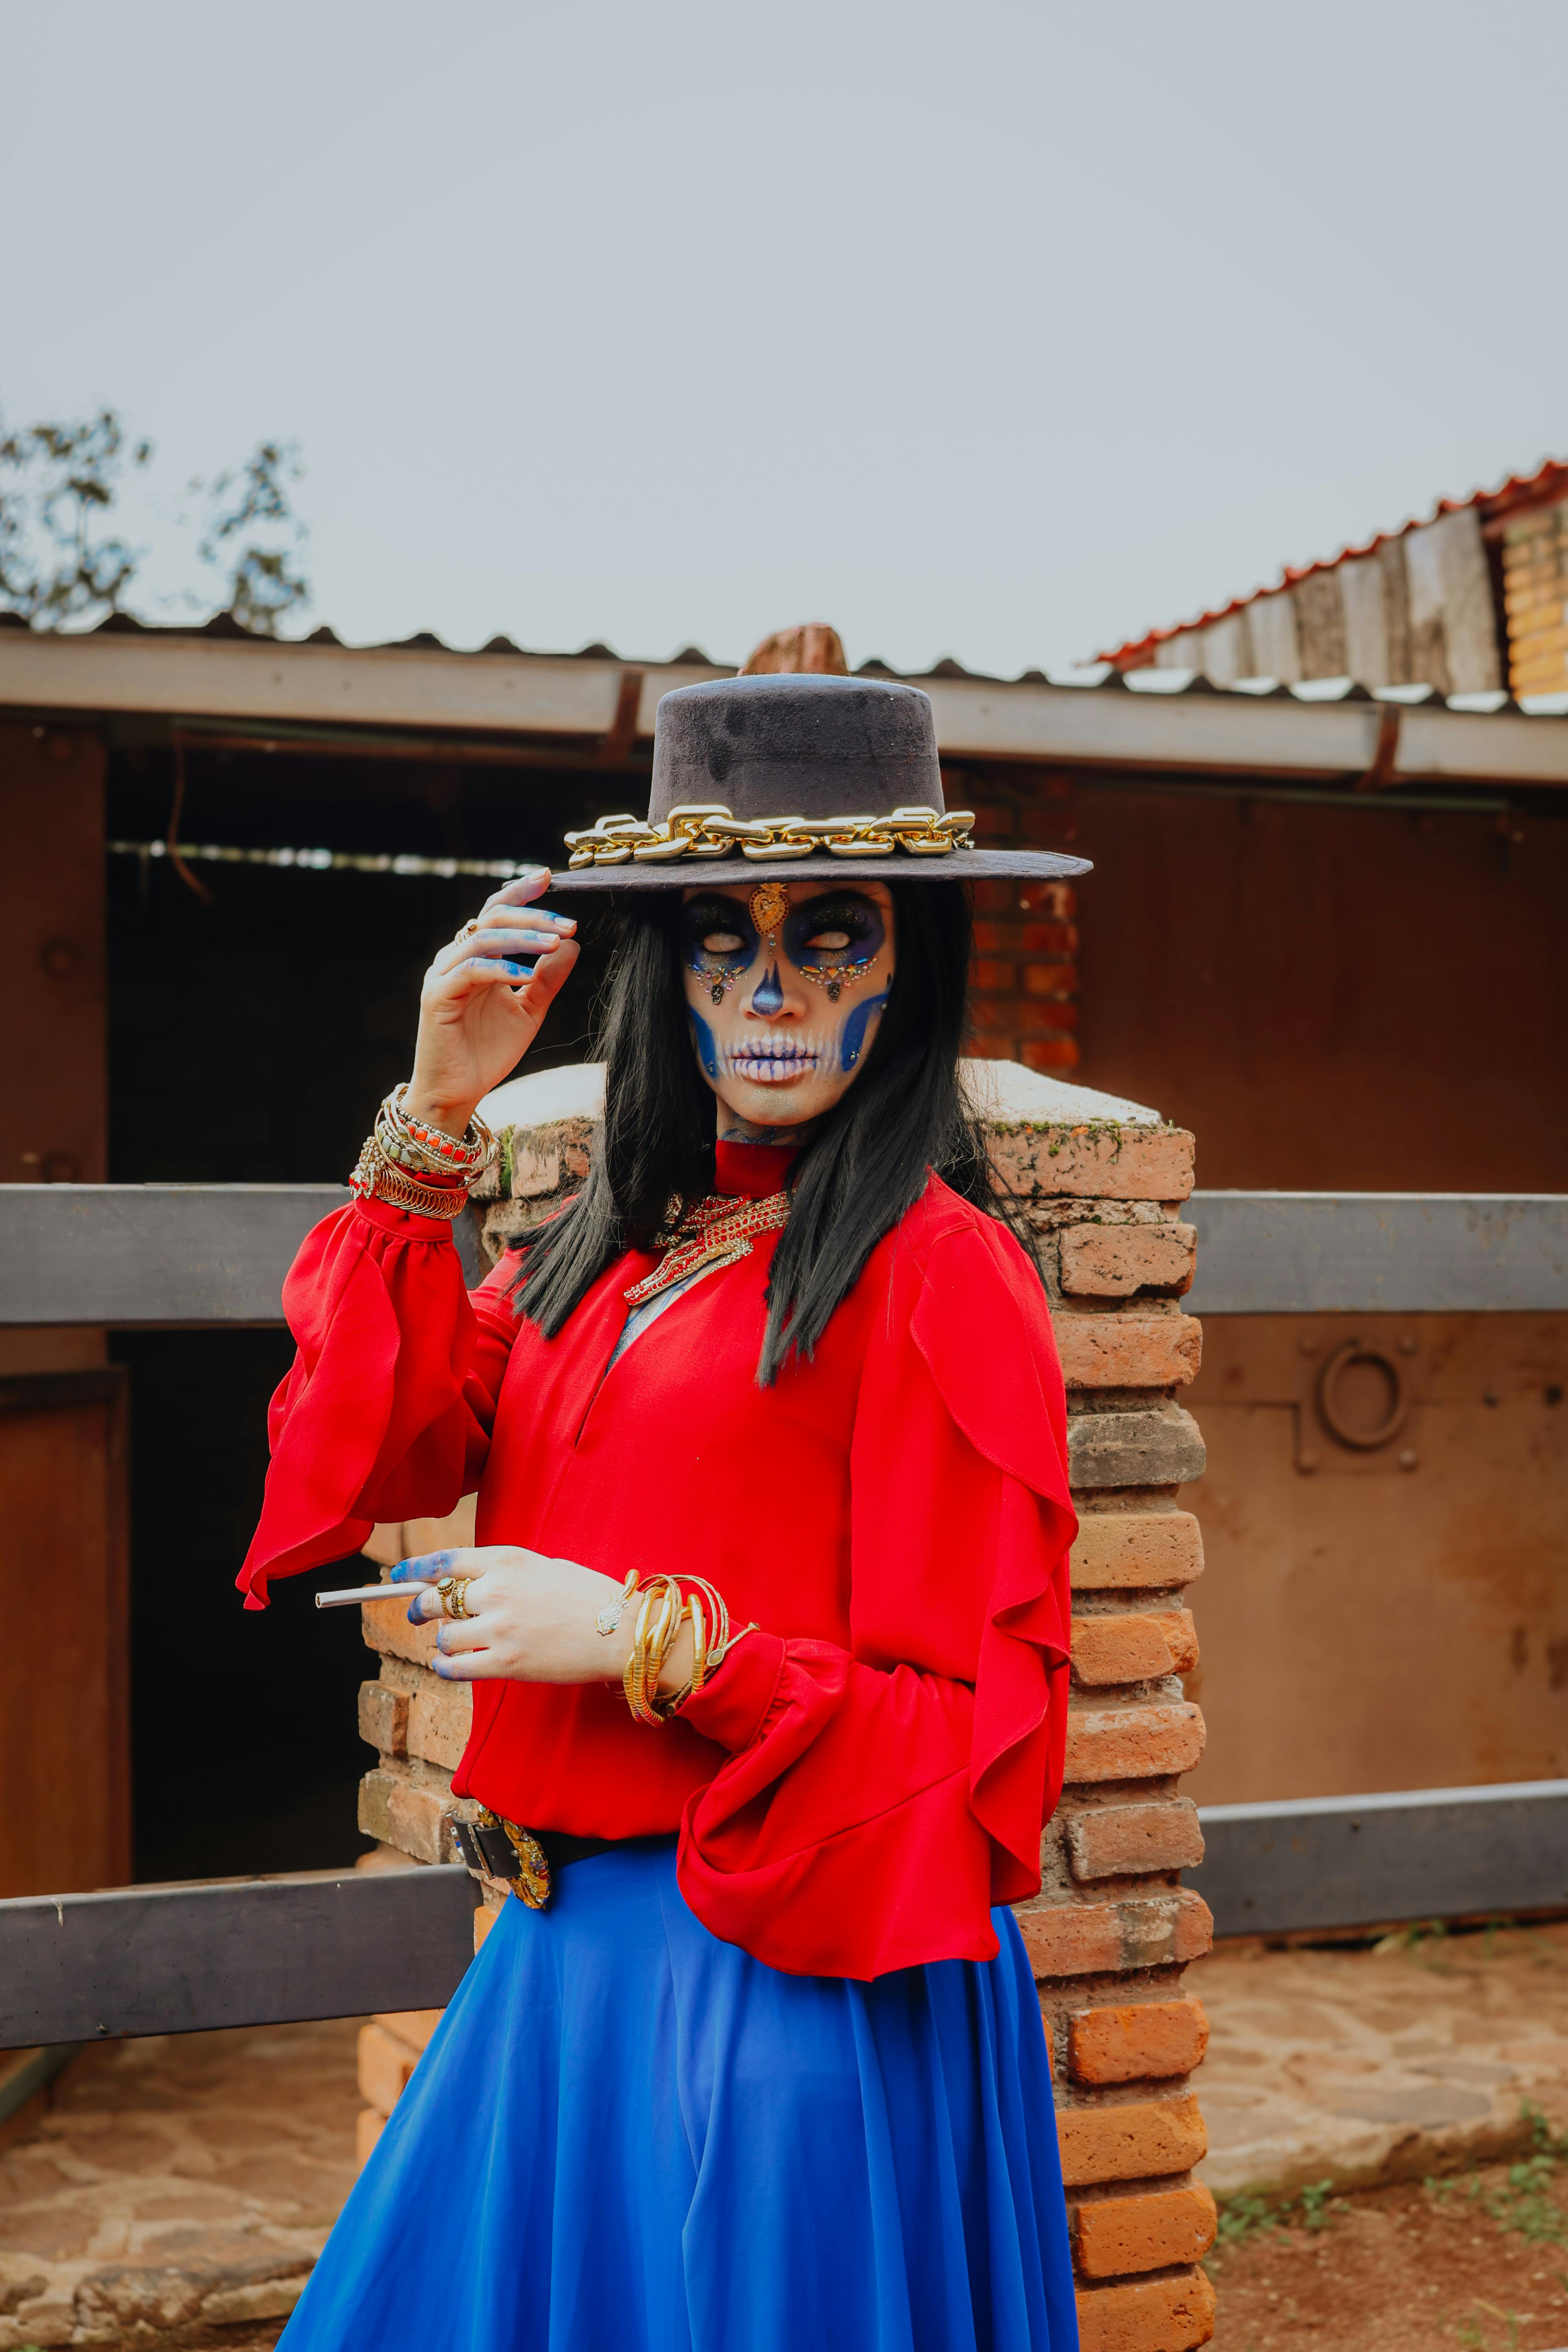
(706, 1043)
(767, 997)
(854, 1038)
(849, 912)
(718, 967)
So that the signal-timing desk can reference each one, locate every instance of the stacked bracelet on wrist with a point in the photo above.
(412, 1165)
(662, 1610)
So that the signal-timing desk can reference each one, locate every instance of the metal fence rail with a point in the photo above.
(265, 1952)
(1353, 1862)
(170, 1256)
(187, 1959)
(206, 1256)
(1371, 1252)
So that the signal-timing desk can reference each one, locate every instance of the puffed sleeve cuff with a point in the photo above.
(732, 1709)
(374, 1421)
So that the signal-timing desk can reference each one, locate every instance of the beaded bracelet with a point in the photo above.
(430, 1150)
(377, 1178)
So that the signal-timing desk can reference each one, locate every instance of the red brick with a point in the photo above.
(384, 1718)
(1118, 1549)
(1051, 826)
(1050, 980)
(1051, 1054)
(1122, 1649)
(1071, 1939)
(413, 2027)
(1019, 1019)
(1135, 2142)
(1106, 1163)
(989, 972)
(1058, 900)
(1173, 2314)
(996, 939)
(995, 819)
(385, 2065)
(1133, 1743)
(1129, 1352)
(1114, 2235)
(1141, 1931)
(404, 1812)
(1122, 1841)
(1050, 939)
(1143, 2038)
(440, 1717)
(385, 1628)
(1181, 1637)
(1117, 1261)
(990, 1049)
(994, 897)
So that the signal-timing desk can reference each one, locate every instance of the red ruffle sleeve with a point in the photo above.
(871, 1811)
(387, 1411)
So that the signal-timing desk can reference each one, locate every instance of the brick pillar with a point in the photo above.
(1112, 1928)
(1024, 979)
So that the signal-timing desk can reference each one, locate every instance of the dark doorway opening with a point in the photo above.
(250, 1039)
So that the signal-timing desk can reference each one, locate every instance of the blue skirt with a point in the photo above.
(628, 2136)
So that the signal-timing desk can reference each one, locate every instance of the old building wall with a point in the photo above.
(1333, 998)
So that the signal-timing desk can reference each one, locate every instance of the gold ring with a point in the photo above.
(461, 937)
(454, 1592)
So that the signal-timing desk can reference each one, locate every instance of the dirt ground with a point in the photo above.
(1402, 2270)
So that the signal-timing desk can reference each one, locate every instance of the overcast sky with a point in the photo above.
(993, 329)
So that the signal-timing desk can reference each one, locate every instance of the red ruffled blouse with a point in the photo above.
(869, 1772)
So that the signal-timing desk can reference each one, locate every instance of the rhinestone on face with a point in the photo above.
(769, 905)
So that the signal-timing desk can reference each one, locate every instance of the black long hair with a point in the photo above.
(867, 1164)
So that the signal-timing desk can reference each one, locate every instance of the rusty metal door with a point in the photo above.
(1385, 1599)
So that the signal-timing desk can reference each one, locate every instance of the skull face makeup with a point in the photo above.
(784, 985)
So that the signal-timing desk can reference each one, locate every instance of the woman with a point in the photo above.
(767, 1616)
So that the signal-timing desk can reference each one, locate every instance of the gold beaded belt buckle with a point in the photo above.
(708, 830)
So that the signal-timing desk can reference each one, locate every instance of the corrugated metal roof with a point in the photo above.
(1544, 487)
(1106, 674)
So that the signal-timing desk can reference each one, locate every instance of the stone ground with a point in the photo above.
(177, 2190)
(1364, 2065)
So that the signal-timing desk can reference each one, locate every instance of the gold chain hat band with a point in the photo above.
(703, 830)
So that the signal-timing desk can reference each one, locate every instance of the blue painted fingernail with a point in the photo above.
(414, 1614)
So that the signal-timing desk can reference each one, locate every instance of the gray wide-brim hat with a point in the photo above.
(796, 778)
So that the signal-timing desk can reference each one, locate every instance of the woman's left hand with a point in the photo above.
(529, 1619)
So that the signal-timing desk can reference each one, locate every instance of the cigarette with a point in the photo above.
(357, 1592)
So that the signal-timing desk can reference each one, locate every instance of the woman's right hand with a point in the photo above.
(480, 1006)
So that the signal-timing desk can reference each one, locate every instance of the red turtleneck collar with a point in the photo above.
(753, 1171)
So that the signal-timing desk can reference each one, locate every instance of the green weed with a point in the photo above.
(1475, 2337)
(1245, 2219)
(1522, 2202)
(1412, 1937)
